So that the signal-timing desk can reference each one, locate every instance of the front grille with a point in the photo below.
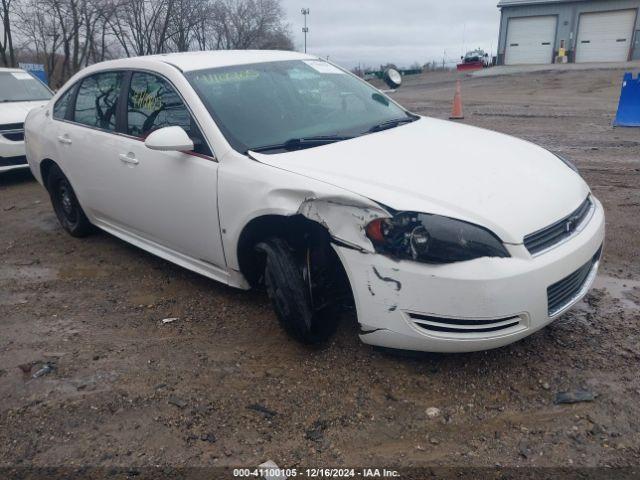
(463, 326)
(12, 126)
(563, 293)
(12, 161)
(14, 136)
(12, 131)
(553, 234)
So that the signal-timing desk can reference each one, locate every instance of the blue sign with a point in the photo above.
(629, 107)
(36, 70)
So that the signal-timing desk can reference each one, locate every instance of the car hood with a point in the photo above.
(508, 185)
(16, 112)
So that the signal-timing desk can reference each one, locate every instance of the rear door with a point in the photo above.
(605, 37)
(168, 198)
(86, 139)
(530, 40)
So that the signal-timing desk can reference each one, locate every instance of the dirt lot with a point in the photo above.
(222, 385)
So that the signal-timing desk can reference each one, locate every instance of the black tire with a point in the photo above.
(291, 296)
(389, 77)
(66, 205)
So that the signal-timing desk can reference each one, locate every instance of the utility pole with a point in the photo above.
(464, 34)
(305, 29)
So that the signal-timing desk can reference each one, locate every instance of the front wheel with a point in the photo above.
(66, 205)
(291, 291)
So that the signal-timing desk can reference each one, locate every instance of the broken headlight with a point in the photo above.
(432, 239)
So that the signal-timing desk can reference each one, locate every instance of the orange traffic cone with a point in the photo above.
(457, 113)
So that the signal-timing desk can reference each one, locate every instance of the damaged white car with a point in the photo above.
(283, 170)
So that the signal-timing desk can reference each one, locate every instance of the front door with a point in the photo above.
(168, 198)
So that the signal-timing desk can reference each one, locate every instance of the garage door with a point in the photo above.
(605, 37)
(530, 40)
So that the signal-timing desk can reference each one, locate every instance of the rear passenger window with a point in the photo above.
(152, 103)
(97, 100)
(62, 105)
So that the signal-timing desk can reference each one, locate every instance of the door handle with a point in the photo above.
(129, 158)
(64, 139)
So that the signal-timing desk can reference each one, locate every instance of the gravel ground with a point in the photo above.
(223, 386)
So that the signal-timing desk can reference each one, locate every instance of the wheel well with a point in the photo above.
(299, 232)
(295, 229)
(45, 168)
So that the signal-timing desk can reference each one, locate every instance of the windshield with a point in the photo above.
(21, 87)
(270, 104)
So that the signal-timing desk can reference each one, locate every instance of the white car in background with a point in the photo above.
(19, 93)
(283, 170)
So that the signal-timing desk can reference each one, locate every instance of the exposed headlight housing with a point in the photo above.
(568, 163)
(432, 239)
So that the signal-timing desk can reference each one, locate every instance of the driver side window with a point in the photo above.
(152, 103)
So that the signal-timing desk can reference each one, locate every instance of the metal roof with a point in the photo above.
(509, 3)
(187, 61)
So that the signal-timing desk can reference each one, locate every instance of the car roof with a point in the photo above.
(189, 61)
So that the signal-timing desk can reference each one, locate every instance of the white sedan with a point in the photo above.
(281, 170)
(19, 93)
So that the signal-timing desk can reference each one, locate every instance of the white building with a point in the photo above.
(537, 31)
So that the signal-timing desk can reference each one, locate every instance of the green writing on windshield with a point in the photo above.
(228, 77)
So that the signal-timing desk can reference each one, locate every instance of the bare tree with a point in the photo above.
(7, 52)
(245, 24)
(142, 26)
(202, 31)
(64, 35)
(187, 18)
(276, 40)
(101, 42)
(67, 35)
(40, 34)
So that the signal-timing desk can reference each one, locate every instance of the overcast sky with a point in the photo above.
(371, 32)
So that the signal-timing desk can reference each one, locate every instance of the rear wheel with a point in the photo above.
(66, 205)
(301, 297)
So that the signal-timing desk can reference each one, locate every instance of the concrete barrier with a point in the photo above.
(629, 107)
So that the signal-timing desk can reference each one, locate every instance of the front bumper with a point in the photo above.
(12, 155)
(487, 303)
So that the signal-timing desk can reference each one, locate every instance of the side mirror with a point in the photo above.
(169, 139)
(392, 78)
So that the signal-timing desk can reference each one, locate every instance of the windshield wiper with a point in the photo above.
(392, 124)
(302, 143)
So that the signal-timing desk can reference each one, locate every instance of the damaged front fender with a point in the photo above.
(255, 199)
(344, 218)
